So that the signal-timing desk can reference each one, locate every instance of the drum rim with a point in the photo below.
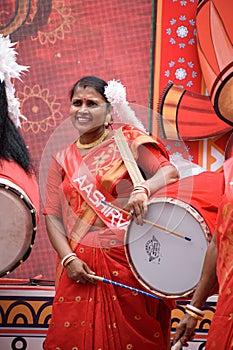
(19, 192)
(205, 230)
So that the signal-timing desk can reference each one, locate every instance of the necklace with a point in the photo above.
(94, 143)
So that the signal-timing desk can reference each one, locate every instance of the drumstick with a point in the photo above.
(148, 222)
(105, 280)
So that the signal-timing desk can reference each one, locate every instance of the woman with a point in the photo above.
(18, 184)
(15, 161)
(88, 235)
(217, 270)
(12, 145)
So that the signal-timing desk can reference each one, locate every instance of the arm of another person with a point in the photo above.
(207, 283)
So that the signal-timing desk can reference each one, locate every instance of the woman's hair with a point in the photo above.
(92, 82)
(12, 145)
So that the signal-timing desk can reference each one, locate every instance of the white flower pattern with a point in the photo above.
(181, 32)
(179, 68)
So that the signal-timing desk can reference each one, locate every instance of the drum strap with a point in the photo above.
(128, 158)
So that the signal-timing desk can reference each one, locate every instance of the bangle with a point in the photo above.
(195, 310)
(197, 317)
(66, 257)
(71, 258)
(139, 190)
(142, 186)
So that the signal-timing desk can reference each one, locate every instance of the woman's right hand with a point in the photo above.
(185, 330)
(79, 271)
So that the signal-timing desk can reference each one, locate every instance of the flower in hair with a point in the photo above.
(10, 69)
(115, 93)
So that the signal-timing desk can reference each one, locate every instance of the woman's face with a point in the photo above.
(88, 110)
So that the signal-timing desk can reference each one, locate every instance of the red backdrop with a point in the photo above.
(61, 41)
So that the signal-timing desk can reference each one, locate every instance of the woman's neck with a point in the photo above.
(87, 138)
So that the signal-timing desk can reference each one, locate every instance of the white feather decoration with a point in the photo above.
(115, 93)
(10, 69)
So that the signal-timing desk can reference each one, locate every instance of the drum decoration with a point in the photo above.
(215, 51)
(179, 108)
(163, 263)
(18, 227)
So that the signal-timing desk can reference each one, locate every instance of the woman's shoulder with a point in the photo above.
(64, 152)
(133, 131)
(137, 137)
(135, 134)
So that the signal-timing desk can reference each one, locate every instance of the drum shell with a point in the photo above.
(200, 196)
(19, 197)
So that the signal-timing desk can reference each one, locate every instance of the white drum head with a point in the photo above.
(164, 263)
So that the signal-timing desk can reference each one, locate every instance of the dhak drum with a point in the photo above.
(215, 50)
(17, 226)
(163, 262)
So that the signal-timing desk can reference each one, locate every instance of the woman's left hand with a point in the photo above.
(137, 206)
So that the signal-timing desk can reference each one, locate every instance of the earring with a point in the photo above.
(107, 121)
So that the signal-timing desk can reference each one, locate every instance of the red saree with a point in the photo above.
(202, 192)
(220, 335)
(101, 316)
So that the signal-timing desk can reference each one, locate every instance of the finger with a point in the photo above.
(88, 273)
(88, 270)
(187, 337)
(179, 333)
(132, 212)
(177, 346)
(137, 209)
(138, 219)
(92, 280)
(140, 215)
(144, 209)
(82, 279)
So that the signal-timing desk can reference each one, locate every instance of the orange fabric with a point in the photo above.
(103, 316)
(228, 175)
(220, 336)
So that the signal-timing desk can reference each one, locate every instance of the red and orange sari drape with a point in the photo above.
(220, 335)
(101, 316)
